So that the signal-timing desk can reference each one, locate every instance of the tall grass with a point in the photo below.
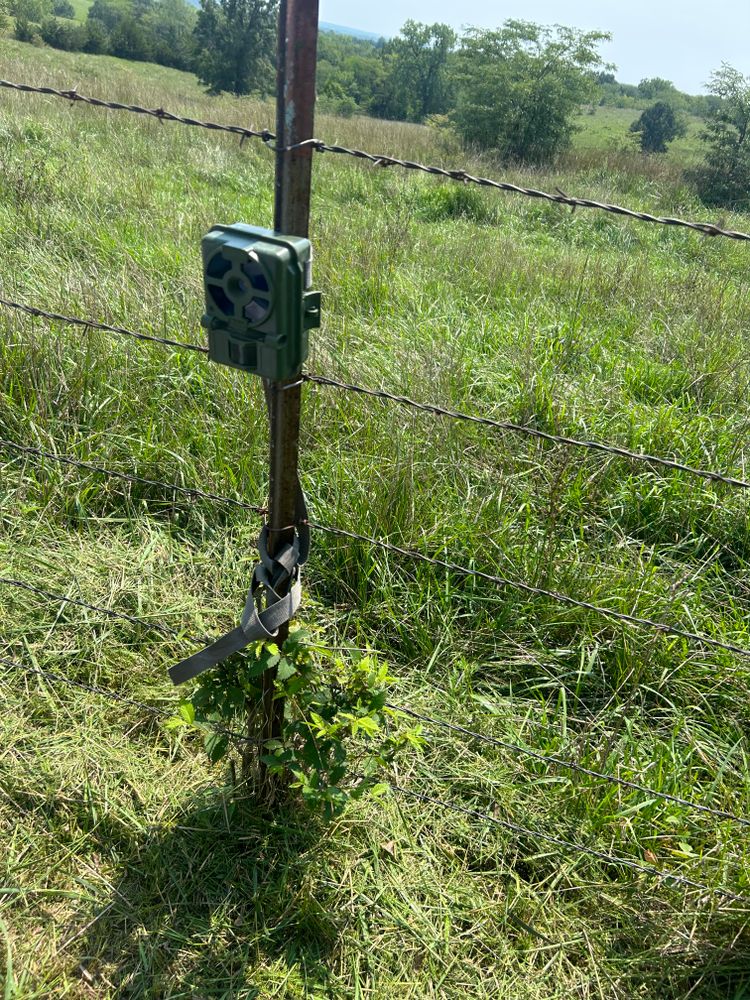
(126, 872)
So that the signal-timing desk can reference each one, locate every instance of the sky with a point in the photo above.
(681, 41)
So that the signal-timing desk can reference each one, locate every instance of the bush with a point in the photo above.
(724, 177)
(97, 38)
(26, 31)
(657, 126)
(63, 8)
(69, 37)
(338, 734)
(346, 107)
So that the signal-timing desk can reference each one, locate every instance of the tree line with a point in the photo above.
(516, 90)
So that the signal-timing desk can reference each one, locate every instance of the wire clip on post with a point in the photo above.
(259, 306)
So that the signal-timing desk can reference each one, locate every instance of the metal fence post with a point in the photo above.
(295, 110)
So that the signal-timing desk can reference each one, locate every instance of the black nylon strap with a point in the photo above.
(269, 575)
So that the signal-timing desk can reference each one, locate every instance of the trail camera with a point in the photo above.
(258, 304)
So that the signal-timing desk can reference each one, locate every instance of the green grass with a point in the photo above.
(609, 129)
(81, 8)
(126, 870)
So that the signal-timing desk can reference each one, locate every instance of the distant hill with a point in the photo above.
(339, 29)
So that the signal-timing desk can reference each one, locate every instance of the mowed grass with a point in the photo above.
(127, 871)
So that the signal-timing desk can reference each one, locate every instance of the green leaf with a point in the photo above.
(367, 725)
(285, 669)
(216, 746)
(186, 711)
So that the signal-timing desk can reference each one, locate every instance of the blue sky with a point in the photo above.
(682, 41)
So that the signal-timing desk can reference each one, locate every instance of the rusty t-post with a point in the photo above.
(295, 112)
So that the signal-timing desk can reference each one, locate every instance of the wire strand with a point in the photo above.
(505, 425)
(570, 765)
(571, 845)
(129, 477)
(431, 408)
(111, 695)
(528, 588)
(413, 554)
(453, 806)
(93, 688)
(384, 160)
(105, 327)
(169, 630)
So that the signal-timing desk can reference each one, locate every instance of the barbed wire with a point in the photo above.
(515, 748)
(516, 828)
(528, 588)
(130, 477)
(412, 554)
(503, 425)
(161, 113)
(95, 325)
(571, 845)
(434, 409)
(115, 696)
(384, 160)
(93, 688)
(161, 627)
(381, 160)
(570, 765)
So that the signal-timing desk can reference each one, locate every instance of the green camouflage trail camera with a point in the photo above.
(258, 304)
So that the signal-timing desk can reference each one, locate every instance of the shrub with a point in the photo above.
(335, 708)
(724, 176)
(69, 37)
(63, 8)
(657, 126)
(346, 107)
(26, 31)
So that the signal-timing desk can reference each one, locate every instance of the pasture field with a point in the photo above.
(126, 869)
(609, 129)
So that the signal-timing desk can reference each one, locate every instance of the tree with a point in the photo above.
(130, 40)
(31, 10)
(655, 87)
(417, 83)
(109, 13)
(657, 126)
(64, 8)
(171, 24)
(520, 87)
(236, 43)
(97, 38)
(724, 177)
